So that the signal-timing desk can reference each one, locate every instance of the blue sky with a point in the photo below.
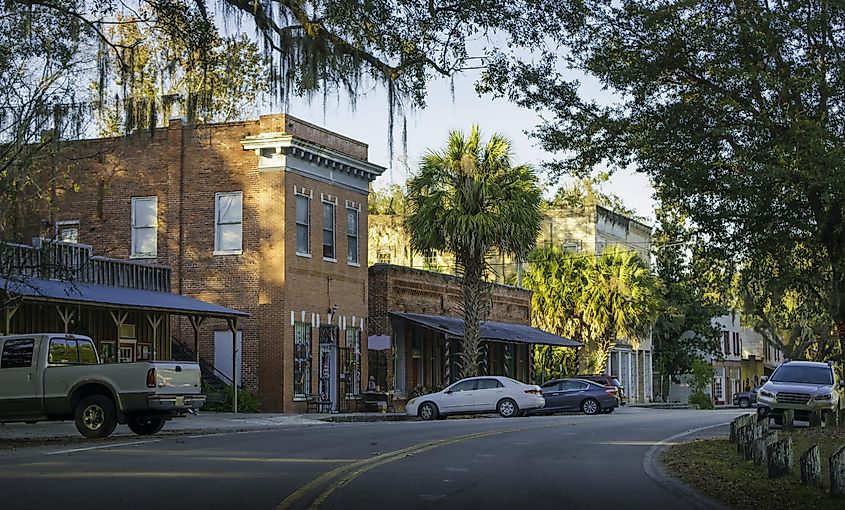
(428, 128)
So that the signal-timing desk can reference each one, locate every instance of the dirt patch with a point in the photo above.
(713, 467)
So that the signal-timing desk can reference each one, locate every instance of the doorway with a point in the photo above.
(328, 365)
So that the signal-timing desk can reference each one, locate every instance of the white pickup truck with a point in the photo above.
(57, 376)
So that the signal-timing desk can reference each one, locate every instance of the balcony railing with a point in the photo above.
(56, 260)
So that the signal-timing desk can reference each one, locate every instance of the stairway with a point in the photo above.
(214, 383)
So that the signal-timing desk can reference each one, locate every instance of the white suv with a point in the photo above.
(804, 386)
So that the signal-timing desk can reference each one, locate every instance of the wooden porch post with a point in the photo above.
(196, 322)
(10, 312)
(66, 315)
(119, 319)
(233, 327)
(155, 322)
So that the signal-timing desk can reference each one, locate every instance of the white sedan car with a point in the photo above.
(478, 395)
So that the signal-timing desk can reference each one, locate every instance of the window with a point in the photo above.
(67, 231)
(464, 385)
(574, 386)
(72, 351)
(351, 235)
(144, 227)
(353, 341)
(737, 346)
(328, 231)
(303, 217)
(17, 353)
(727, 337)
(301, 359)
(228, 226)
(384, 257)
(489, 384)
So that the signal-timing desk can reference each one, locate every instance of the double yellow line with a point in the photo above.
(340, 476)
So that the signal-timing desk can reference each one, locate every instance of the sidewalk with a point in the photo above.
(205, 423)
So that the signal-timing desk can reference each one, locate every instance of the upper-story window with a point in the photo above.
(67, 231)
(144, 227)
(228, 225)
(303, 221)
(329, 231)
(352, 215)
(383, 257)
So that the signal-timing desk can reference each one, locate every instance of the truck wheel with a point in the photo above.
(145, 426)
(95, 417)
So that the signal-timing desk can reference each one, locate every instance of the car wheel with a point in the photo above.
(95, 417)
(145, 426)
(590, 406)
(507, 408)
(744, 403)
(428, 411)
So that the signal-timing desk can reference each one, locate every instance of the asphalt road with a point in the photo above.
(568, 461)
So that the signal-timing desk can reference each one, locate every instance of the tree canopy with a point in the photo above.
(734, 111)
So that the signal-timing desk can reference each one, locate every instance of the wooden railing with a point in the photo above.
(55, 260)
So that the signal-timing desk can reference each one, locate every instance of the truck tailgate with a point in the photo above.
(177, 378)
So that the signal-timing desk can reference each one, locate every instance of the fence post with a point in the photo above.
(779, 458)
(811, 467)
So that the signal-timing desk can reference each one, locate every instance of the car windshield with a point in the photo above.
(803, 374)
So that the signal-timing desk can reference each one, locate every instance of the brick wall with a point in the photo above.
(185, 167)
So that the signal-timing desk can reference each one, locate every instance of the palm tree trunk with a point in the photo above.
(473, 309)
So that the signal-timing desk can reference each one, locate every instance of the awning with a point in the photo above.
(107, 296)
(490, 330)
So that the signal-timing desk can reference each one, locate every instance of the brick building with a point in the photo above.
(417, 310)
(267, 216)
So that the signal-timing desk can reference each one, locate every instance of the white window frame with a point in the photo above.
(218, 222)
(67, 225)
(134, 254)
(357, 236)
(333, 203)
(300, 192)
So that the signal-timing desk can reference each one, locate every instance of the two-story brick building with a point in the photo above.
(267, 216)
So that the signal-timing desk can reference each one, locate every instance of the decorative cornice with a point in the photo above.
(276, 147)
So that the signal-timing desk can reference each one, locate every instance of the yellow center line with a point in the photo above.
(351, 471)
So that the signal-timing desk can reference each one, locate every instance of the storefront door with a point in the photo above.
(328, 364)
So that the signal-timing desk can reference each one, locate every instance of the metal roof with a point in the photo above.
(108, 296)
(490, 330)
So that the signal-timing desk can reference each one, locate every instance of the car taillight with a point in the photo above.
(534, 392)
(151, 378)
(611, 391)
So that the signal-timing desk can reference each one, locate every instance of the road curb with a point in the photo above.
(654, 468)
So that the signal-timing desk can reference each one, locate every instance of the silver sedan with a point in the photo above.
(487, 394)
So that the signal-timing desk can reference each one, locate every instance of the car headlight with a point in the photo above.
(826, 396)
(767, 394)
(411, 402)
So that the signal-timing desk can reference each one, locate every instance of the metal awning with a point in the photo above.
(490, 330)
(107, 296)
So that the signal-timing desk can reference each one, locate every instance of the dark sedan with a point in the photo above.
(746, 398)
(578, 395)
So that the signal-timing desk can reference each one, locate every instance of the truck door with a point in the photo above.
(18, 389)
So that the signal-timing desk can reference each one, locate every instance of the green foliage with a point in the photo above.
(389, 200)
(701, 375)
(733, 110)
(419, 391)
(586, 191)
(551, 362)
(702, 400)
(248, 402)
(467, 200)
(684, 330)
(595, 300)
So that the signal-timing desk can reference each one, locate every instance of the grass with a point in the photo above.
(713, 467)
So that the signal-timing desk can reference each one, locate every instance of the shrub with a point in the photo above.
(701, 399)
(248, 402)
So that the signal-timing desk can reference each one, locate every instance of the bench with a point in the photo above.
(318, 404)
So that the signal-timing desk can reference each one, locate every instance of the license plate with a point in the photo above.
(180, 401)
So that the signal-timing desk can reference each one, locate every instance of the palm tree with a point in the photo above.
(556, 279)
(620, 299)
(467, 200)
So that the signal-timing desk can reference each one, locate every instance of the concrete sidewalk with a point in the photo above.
(204, 423)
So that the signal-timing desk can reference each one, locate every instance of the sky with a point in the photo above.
(429, 128)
